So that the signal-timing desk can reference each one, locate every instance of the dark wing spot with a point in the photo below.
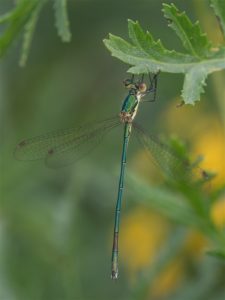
(50, 151)
(22, 143)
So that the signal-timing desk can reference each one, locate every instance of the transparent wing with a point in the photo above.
(60, 148)
(172, 165)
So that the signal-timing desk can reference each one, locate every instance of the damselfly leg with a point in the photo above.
(152, 89)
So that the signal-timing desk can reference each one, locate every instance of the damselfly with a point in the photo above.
(66, 146)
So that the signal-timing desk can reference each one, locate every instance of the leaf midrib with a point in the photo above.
(205, 63)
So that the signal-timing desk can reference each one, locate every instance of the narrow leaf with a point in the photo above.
(6, 17)
(61, 20)
(17, 20)
(28, 34)
(166, 202)
(220, 254)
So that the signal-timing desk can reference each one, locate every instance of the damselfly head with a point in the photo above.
(142, 87)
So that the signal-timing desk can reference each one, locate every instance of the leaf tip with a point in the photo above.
(131, 21)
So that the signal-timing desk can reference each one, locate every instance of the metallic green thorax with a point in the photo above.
(129, 103)
(127, 114)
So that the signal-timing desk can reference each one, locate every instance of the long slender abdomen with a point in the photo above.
(115, 249)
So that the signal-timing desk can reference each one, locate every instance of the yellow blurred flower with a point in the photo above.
(204, 132)
(182, 120)
(142, 234)
(218, 213)
(195, 244)
(168, 280)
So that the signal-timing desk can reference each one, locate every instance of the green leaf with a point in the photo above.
(6, 17)
(193, 83)
(61, 20)
(25, 16)
(220, 254)
(165, 201)
(194, 41)
(219, 8)
(16, 19)
(29, 31)
(145, 54)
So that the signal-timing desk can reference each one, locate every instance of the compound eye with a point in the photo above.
(128, 83)
(142, 87)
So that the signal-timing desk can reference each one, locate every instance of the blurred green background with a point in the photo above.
(56, 225)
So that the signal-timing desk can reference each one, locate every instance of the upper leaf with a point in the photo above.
(145, 54)
(194, 41)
